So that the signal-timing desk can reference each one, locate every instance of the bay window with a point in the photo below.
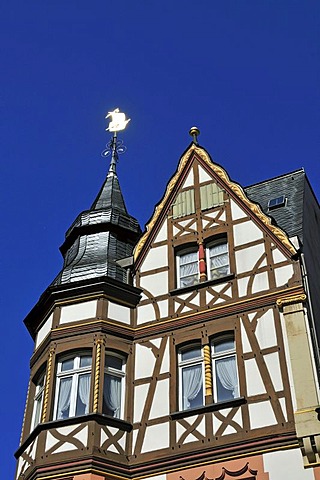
(191, 375)
(114, 384)
(224, 368)
(73, 381)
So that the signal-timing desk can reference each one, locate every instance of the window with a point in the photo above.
(190, 365)
(184, 204)
(217, 259)
(73, 386)
(224, 368)
(277, 202)
(187, 268)
(113, 389)
(37, 401)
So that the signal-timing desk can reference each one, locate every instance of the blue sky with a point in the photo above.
(245, 72)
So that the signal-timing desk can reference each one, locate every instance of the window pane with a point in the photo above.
(112, 395)
(85, 361)
(192, 387)
(63, 408)
(226, 378)
(114, 362)
(223, 345)
(188, 269)
(67, 364)
(191, 353)
(219, 260)
(37, 407)
(82, 406)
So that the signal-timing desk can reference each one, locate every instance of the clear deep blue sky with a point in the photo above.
(246, 72)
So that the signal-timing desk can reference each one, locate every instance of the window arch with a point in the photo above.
(224, 367)
(114, 384)
(191, 377)
(73, 380)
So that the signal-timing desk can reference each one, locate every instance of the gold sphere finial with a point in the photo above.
(194, 132)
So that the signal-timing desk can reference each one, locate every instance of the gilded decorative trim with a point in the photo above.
(99, 343)
(281, 302)
(47, 385)
(207, 370)
(237, 189)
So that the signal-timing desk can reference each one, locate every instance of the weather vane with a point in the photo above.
(115, 147)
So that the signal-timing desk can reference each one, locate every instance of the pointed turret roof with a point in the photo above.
(99, 237)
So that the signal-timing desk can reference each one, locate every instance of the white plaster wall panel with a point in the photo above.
(164, 308)
(217, 422)
(260, 282)
(273, 365)
(285, 465)
(189, 181)
(203, 175)
(157, 477)
(261, 415)
(236, 211)
(215, 214)
(67, 430)
(255, 385)
(278, 256)
(243, 286)
(238, 418)
(165, 366)
(140, 395)
(119, 313)
(156, 284)
(82, 436)
(112, 449)
(66, 447)
(265, 330)
(78, 311)
(192, 436)
(160, 404)
(144, 362)
(156, 438)
(229, 430)
(156, 342)
(145, 313)
(246, 232)
(157, 257)
(283, 275)
(33, 449)
(162, 234)
(51, 441)
(288, 362)
(103, 436)
(44, 330)
(282, 402)
(247, 258)
(246, 347)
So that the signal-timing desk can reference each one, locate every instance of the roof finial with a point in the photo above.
(194, 132)
(115, 146)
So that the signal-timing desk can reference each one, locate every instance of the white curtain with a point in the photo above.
(191, 384)
(227, 373)
(219, 261)
(64, 398)
(84, 389)
(188, 269)
(112, 394)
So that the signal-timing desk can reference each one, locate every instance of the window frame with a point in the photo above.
(75, 373)
(38, 399)
(216, 356)
(182, 253)
(182, 364)
(112, 371)
(208, 246)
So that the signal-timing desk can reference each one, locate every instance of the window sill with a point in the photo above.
(197, 286)
(212, 407)
(96, 417)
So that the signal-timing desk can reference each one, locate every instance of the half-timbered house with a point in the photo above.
(189, 352)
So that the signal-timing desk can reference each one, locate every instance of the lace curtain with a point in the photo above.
(192, 384)
(188, 269)
(219, 261)
(112, 394)
(64, 398)
(84, 389)
(227, 373)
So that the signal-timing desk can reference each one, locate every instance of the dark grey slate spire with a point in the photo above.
(99, 237)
